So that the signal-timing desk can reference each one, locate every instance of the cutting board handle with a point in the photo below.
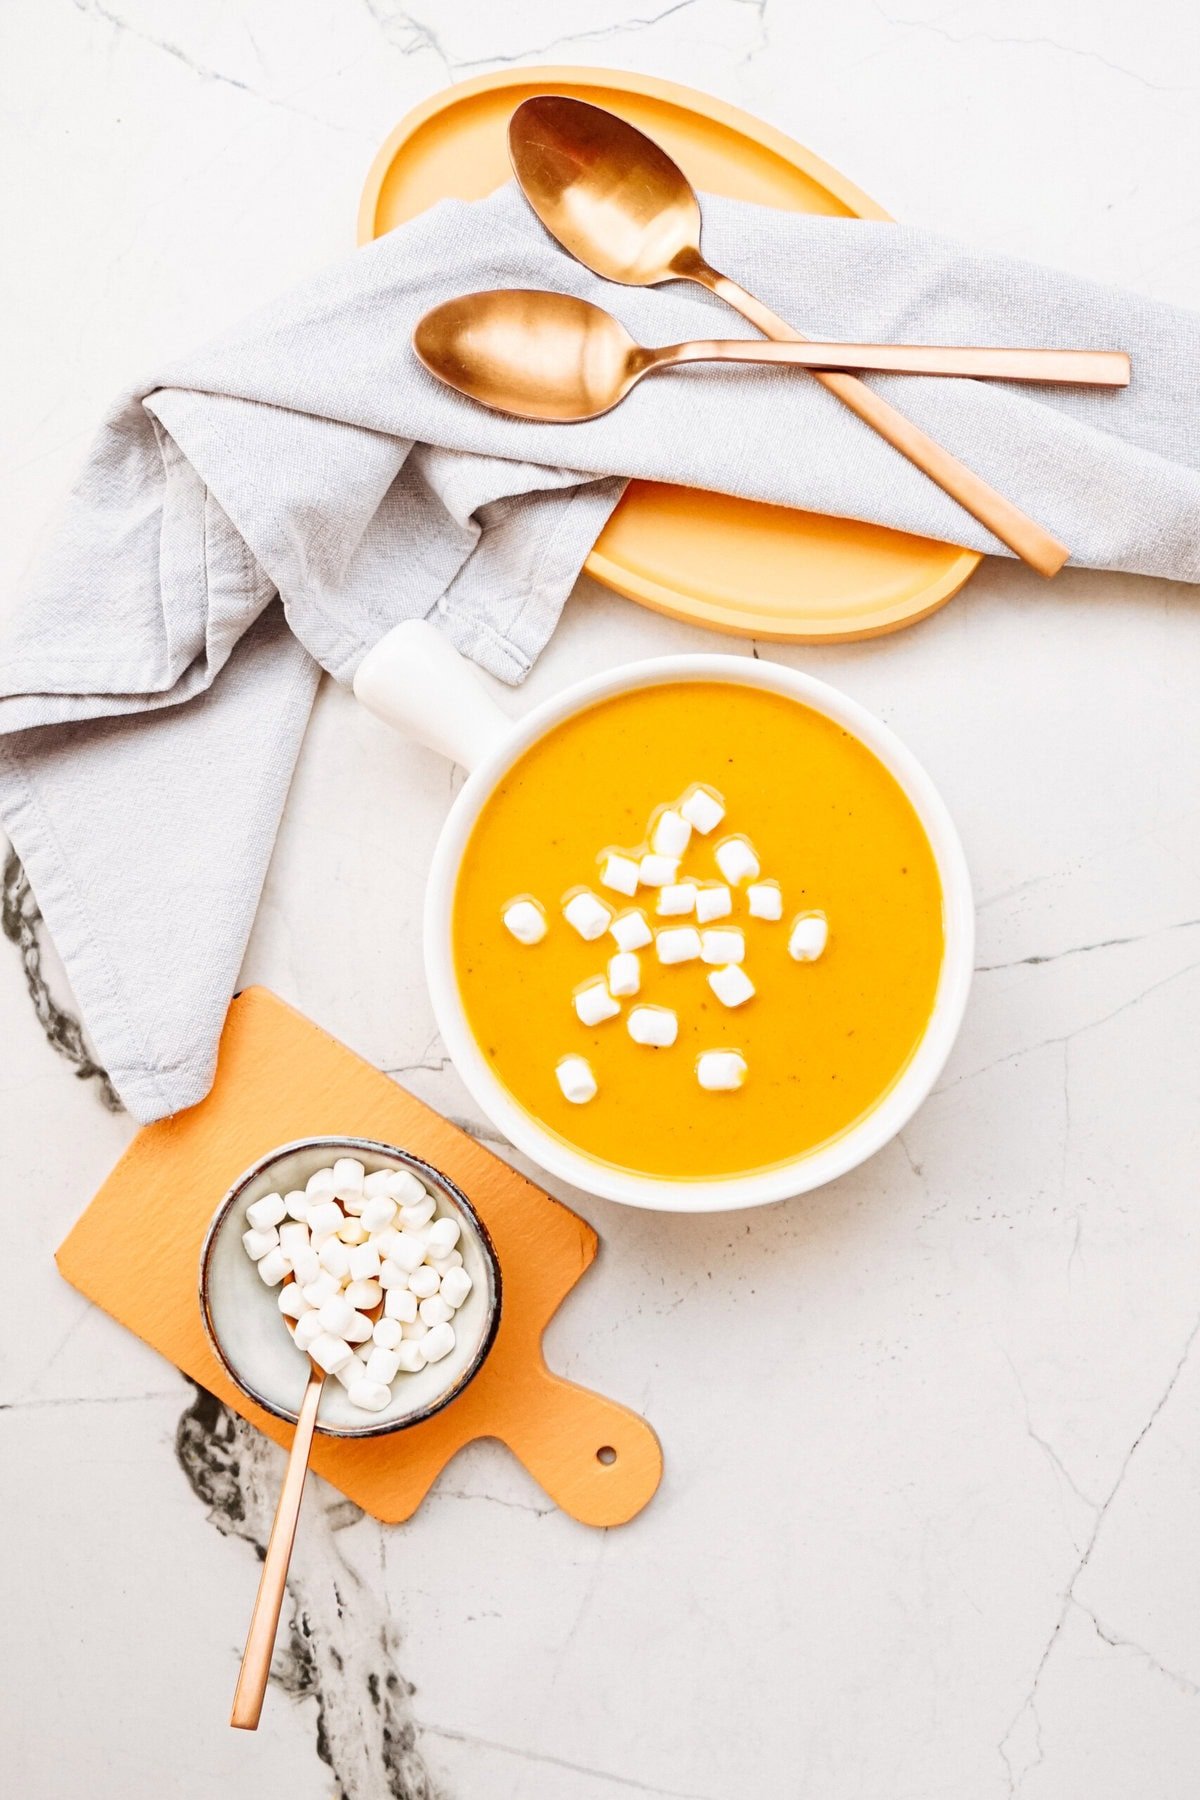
(415, 680)
(598, 1460)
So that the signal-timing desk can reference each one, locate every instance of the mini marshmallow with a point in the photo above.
(348, 1176)
(456, 1285)
(334, 1256)
(810, 934)
(350, 1372)
(268, 1211)
(377, 1182)
(737, 861)
(764, 900)
(451, 1260)
(620, 873)
(406, 1188)
(308, 1327)
(406, 1251)
(352, 1231)
(703, 808)
(526, 920)
(654, 1025)
(723, 944)
(391, 1275)
(322, 1289)
(320, 1184)
(364, 1262)
(369, 1396)
(731, 985)
(593, 1003)
(435, 1311)
(715, 902)
(379, 1212)
(415, 1214)
(331, 1255)
(363, 1295)
(324, 1218)
(336, 1314)
(588, 915)
(658, 871)
(677, 899)
(720, 1071)
(292, 1303)
(631, 930)
(329, 1352)
(387, 1333)
(678, 944)
(296, 1204)
(443, 1236)
(410, 1356)
(672, 833)
(382, 1365)
(272, 1267)
(415, 1330)
(400, 1305)
(439, 1343)
(258, 1243)
(424, 1281)
(624, 974)
(575, 1078)
(306, 1265)
(359, 1330)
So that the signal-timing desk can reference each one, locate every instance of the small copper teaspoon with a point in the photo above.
(255, 1669)
(552, 356)
(618, 203)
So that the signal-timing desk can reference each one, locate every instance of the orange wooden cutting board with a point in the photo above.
(280, 1078)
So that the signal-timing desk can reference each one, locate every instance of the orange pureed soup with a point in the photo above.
(823, 1040)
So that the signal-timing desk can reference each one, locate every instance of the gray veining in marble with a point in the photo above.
(21, 923)
(339, 1648)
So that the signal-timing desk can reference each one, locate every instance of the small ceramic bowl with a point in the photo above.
(247, 1330)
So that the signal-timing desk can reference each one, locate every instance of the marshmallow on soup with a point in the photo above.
(765, 956)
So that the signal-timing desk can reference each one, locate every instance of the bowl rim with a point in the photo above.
(860, 1140)
(427, 1171)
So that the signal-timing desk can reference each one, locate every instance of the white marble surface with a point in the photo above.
(929, 1525)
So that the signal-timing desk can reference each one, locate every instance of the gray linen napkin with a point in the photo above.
(276, 501)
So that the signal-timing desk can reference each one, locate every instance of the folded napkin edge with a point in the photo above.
(147, 1091)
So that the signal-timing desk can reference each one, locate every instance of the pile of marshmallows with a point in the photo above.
(347, 1240)
(723, 947)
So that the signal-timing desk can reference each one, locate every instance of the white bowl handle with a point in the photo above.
(415, 680)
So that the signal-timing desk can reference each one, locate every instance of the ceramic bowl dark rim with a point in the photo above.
(348, 1146)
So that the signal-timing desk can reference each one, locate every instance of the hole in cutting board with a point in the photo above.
(606, 1455)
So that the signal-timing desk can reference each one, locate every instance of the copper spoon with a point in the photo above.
(553, 356)
(272, 1583)
(623, 208)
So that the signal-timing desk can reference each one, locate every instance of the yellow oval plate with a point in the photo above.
(735, 565)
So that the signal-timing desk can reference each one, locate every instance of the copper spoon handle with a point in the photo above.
(1091, 368)
(1022, 534)
(264, 1621)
